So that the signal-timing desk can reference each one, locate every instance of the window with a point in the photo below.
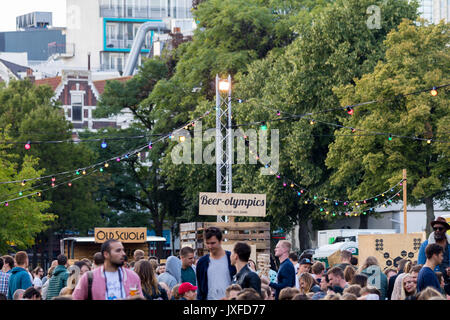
(76, 112)
(77, 106)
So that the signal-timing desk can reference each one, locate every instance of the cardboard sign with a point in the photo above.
(389, 249)
(232, 204)
(126, 235)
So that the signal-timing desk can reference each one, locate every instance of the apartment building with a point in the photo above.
(102, 31)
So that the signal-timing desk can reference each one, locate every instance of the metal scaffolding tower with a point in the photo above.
(224, 138)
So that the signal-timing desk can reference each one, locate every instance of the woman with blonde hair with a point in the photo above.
(72, 281)
(408, 289)
(307, 283)
(430, 293)
(149, 283)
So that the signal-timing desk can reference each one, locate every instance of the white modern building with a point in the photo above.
(435, 10)
(100, 33)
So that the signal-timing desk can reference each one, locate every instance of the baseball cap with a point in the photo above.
(305, 261)
(185, 287)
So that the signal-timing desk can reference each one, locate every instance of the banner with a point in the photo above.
(389, 249)
(125, 235)
(232, 204)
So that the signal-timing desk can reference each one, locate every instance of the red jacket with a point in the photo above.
(130, 278)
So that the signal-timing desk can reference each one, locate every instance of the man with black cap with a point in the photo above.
(304, 266)
(438, 236)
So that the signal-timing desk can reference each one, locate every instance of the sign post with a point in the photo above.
(405, 214)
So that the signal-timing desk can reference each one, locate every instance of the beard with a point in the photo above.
(439, 236)
(118, 263)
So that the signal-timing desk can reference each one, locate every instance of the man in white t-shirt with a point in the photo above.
(214, 270)
(111, 281)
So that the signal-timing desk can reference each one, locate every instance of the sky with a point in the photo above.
(10, 9)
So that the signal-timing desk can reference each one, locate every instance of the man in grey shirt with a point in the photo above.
(214, 270)
(218, 277)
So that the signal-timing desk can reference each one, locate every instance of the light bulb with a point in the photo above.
(434, 92)
(263, 126)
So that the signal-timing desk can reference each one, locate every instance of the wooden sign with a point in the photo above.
(126, 235)
(232, 204)
(389, 249)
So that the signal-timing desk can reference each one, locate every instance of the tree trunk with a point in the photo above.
(430, 215)
(303, 235)
(172, 237)
(34, 259)
(50, 245)
(159, 244)
(363, 221)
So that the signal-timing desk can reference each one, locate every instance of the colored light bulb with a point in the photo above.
(104, 144)
(263, 126)
(28, 145)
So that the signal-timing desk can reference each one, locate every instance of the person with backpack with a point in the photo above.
(111, 281)
(58, 279)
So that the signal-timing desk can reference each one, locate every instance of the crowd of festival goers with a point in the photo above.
(225, 275)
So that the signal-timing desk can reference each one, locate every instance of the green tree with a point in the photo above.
(230, 36)
(135, 190)
(417, 58)
(34, 117)
(25, 215)
(333, 50)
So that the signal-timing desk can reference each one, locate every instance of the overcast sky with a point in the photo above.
(10, 9)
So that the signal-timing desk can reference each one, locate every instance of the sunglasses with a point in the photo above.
(438, 229)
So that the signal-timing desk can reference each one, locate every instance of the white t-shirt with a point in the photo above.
(114, 287)
(297, 283)
(37, 282)
(218, 278)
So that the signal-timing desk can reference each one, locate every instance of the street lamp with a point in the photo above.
(224, 86)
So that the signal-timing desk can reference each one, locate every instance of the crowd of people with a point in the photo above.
(225, 275)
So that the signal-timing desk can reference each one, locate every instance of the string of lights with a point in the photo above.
(53, 186)
(350, 110)
(118, 158)
(28, 144)
(376, 200)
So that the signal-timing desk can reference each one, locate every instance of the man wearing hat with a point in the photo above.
(187, 291)
(304, 266)
(439, 236)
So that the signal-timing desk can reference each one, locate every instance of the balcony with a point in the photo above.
(123, 44)
(136, 12)
(61, 50)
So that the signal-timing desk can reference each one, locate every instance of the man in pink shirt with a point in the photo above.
(111, 281)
